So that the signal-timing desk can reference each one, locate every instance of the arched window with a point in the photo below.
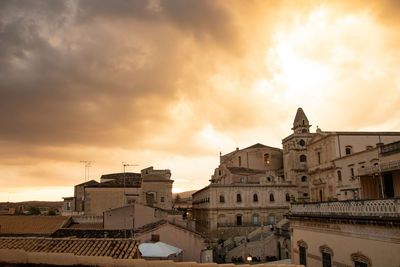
(219, 172)
(302, 142)
(304, 179)
(240, 161)
(352, 172)
(319, 157)
(303, 158)
(271, 197)
(287, 196)
(221, 198)
(255, 198)
(304, 131)
(238, 198)
(348, 150)
(267, 159)
(269, 179)
(339, 175)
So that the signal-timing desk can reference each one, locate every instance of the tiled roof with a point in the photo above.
(30, 224)
(115, 248)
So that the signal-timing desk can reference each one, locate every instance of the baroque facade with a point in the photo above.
(247, 190)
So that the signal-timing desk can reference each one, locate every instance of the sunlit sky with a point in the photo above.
(171, 84)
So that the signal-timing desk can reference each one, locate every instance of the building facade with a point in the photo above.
(336, 158)
(360, 233)
(295, 155)
(150, 187)
(247, 190)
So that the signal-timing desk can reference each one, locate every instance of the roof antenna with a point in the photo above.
(88, 164)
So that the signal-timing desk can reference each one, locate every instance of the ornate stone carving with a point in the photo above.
(302, 243)
(358, 256)
(326, 249)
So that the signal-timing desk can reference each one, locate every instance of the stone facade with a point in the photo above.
(150, 187)
(346, 233)
(335, 158)
(295, 155)
(247, 190)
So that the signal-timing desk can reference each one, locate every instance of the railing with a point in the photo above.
(382, 167)
(367, 208)
(235, 225)
(390, 148)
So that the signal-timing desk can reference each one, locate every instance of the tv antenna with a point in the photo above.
(88, 164)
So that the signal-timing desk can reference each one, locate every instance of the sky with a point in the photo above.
(171, 84)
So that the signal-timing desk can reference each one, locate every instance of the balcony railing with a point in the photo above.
(390, 148)
(235, 225)
(381, 167)
(359, 208)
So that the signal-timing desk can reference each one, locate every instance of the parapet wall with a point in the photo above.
(20, 257)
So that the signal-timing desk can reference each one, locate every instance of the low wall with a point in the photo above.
(20, 257)
(87, 219)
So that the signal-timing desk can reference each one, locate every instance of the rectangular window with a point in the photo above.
(303, 260)
(162, 199)
(239, 220)
(360, 264)
(319, 157)
(326, 260)
(255, 220)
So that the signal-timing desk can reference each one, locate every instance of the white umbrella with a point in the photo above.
(158, 249)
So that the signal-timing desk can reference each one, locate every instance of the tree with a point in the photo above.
(51, 212)
(34, 211)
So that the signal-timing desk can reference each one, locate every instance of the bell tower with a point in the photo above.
(301, 123)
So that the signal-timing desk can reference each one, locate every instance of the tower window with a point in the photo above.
(271, 197)
(267, 158)
(302, 142)
(219, 172)
(240, 161)
(348, 150)
(304, 179)
(255, 198)
(303, 158)
(238, 198)
(304, 131)
(319, 157)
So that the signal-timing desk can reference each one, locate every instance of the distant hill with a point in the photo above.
(50, 204)
(185, 194)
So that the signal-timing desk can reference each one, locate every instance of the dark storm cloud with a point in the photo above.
(71, 72)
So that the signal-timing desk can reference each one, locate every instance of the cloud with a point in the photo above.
(178, 81)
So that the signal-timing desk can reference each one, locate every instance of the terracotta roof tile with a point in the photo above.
(115, 248)
(30, 224)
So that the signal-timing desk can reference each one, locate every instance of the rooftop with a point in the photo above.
(31, 224)
(115, 248)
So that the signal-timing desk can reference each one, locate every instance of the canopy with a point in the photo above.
(158, 249)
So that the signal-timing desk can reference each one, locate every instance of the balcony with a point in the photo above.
(389, 148)
(379, 168)
(382, 208)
